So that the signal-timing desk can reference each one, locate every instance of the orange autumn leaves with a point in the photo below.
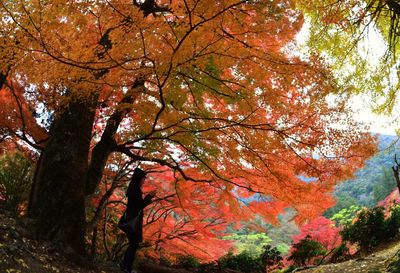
(225, 108)
(16, 115)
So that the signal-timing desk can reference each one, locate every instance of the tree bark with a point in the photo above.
(396, 174)
(58, 204)
(33, 192)
(394, 6)
(63, 176)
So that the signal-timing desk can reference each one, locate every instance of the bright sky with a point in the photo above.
(378, 123)
(373, 48)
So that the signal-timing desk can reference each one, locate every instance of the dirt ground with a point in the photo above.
(376, 262)
(19, 254)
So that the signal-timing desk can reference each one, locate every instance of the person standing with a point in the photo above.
(131, 221)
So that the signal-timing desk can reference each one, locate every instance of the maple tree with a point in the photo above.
(319, 238)
(171, 228)
(321, 230)
(208, 96)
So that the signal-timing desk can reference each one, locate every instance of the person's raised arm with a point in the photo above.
(148, 198)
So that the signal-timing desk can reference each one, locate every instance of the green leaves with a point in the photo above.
(350, 35)
(346, 215)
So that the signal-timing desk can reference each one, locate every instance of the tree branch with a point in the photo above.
(107, 142)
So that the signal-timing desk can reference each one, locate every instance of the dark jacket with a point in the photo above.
(136, 204)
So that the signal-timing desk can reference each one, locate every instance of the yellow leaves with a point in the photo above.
(51, 268)
(12, 270)
(21, 262)
(18, 263)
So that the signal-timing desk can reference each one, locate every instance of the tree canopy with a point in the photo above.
(212, 95)
(359, 40)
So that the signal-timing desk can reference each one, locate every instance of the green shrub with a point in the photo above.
(283, 248)
(368, 231)
(345, 216)
(16, 174)
(270, 256)
(306, 250)
(243, 262)
(187, 262)
(208, 267)
(392, 224)
(250, 243)
(340, 253)
(165, 261)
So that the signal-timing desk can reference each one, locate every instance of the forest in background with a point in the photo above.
(373, 182)
(371, 185)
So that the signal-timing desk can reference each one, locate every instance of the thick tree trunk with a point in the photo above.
(58, 204)
(64, 178)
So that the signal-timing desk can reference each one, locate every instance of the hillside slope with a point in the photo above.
(20, 254)
(371, 183)
(376, 262)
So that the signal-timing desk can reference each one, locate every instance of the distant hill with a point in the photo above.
(373, 182)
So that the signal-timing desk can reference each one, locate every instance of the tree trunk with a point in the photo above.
(396, 174)
(58, 204)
